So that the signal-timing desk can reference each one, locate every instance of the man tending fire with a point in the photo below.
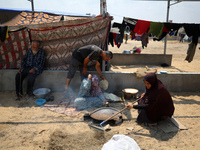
(82, 56)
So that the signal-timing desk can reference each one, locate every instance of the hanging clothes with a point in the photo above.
(120, 27)
(132, 35)
(119, 40)
(144, 39)
(110, 40)
(142, 26)
(129, 22)
(137, 37)
(190, 52)
(156, 28)
(194, 31)
(173, 27)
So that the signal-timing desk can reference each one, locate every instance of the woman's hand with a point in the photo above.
(142, 95)
(129, 106)
(106, 102)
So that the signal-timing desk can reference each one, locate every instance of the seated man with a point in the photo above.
(32, 66)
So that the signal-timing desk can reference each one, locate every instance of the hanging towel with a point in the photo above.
(163, 34)
(141, 27)
(191, 52)
(156, 28)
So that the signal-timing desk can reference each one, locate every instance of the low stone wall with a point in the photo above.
(55, 80)
(141, 59)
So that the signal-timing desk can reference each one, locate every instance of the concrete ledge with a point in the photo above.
(141, 59)
(55, 80)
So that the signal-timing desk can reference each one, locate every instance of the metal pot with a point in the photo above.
(127, 51)
(129, 92)
(41, 92)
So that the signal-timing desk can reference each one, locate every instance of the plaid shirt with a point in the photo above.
(35, 61)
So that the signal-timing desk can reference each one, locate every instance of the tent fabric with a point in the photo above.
(13, 48)
(27, 18)
(60, 42)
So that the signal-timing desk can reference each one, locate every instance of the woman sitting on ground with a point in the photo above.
(156, 103)
(90, 94)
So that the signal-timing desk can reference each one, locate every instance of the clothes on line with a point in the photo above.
(157, 29)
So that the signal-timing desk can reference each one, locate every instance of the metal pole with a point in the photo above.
(32, 6)
(103, 12)
(167, 20)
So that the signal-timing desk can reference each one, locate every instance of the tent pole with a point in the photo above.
(103, 12)
(167, 20)
(32, 6)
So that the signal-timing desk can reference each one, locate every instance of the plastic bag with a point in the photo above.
(121, 142)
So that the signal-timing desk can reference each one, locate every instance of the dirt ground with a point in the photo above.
(26, 126)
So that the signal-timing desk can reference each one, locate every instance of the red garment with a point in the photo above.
(158, 99)
(141, 27)
(165, 30)
(115, 41)
(114, 38)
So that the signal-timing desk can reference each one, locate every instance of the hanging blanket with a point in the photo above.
(60, 42)
(14, 47)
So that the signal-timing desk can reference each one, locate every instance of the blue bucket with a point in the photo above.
(40, 102)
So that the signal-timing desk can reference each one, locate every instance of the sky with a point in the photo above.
(183, 12)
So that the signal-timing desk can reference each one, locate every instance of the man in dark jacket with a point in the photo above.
(32, 66)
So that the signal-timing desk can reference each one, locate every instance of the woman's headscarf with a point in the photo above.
(158, 99)
(95, 88)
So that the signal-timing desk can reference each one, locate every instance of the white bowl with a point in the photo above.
(41, 92)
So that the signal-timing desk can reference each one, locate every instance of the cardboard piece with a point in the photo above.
(167, 126)
(177, 123)
(170, 125)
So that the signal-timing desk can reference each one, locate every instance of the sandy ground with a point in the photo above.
(26, 126)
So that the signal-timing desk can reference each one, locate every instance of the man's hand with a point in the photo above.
(20, 70)
(32, 70)
(102, 77)
(84, 71)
